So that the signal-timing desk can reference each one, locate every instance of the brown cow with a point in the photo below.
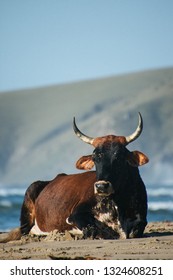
(105, 203)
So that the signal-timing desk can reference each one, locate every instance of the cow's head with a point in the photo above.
(111, 158)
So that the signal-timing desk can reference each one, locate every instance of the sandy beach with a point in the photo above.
(157, 243)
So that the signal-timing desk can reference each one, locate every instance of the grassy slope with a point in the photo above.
(37, 140)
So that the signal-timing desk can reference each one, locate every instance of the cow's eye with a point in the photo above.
(97, 156)
(100, 155)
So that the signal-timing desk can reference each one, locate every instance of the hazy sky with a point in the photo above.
(46, 42)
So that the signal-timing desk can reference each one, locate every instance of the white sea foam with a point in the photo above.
(161, 205)
(5, 203)
(163, 191)
(6, 191)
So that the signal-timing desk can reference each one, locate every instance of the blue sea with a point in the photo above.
(160, 204)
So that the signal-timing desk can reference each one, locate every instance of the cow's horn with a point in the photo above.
(82, 136)
(137, 132)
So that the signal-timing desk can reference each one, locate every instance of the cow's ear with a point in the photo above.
(85, 162)
(137, 158)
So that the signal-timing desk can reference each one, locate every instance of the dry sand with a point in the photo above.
(157, 243)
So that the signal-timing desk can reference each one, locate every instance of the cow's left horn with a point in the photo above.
(137, 132)
(82, 136)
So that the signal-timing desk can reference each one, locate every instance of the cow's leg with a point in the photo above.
(85, 222)
(138, 228)
(133, 227)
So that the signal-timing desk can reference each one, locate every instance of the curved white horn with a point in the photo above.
(82, 136)
(137, 132)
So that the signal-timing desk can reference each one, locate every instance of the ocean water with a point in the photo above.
(160, 204)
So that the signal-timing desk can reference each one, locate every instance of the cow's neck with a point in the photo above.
(104, 203)
(105, 213)
(125, 182)
(105, 210)
(121, 180)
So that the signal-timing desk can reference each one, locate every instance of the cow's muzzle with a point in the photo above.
(103, 188)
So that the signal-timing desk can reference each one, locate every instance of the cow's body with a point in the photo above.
(65, 197)
(69, 202)
(108, 202)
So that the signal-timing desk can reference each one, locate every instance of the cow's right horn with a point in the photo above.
(82, 136)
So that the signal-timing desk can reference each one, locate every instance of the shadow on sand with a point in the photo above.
(158, 234)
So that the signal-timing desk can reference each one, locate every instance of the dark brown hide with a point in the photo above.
(64, 196)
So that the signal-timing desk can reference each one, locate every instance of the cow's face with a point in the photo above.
(111, 159)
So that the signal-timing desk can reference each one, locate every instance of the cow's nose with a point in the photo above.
(103, 187)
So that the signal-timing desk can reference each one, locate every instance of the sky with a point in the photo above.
(47, 42)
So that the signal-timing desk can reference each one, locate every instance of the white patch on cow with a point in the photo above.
(118, 222)
(106, 218)
(121, 233)
(76, 232)
(37, 231)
